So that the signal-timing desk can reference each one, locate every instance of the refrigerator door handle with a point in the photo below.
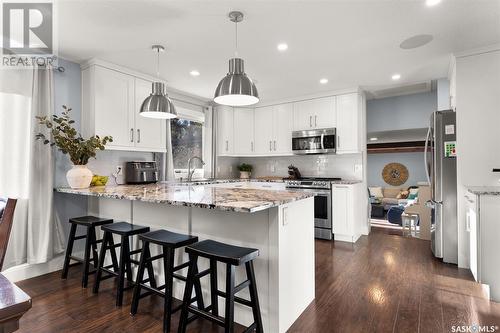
(425, 156)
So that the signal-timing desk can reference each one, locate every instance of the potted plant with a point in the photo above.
(65, 137)
(245, 170)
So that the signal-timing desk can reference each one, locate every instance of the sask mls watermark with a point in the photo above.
(27, 34)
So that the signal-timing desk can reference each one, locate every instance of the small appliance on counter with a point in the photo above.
(141, 172)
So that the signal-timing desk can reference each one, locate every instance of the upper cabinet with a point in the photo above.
(111, 101)
(314, 114)
(244, 131)
(267, 130)
(225, 130)
(348, 124)
(273, 129)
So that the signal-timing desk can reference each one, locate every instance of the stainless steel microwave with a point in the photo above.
(321, 141)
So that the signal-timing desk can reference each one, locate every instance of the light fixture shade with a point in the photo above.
(236, 88)
(158, 105)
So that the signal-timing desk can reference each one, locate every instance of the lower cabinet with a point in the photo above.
(349, 213)
(482, 225)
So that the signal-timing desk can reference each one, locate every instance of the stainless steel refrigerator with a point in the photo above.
(441, 170)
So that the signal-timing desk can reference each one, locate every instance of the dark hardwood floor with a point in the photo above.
(383, 283)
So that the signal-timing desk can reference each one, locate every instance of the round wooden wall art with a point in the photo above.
(395, 174)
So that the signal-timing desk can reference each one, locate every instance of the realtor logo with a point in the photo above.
(27, 28)
(28, 34)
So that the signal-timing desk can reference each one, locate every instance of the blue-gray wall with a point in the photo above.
(396, 113)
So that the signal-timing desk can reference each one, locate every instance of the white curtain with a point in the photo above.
(170, 156)
(27, 167)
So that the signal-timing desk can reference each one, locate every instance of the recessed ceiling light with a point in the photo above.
(282, 47)
(323, 81)
(431, 3)
(194, 73)
(373, 139)
(396, 77)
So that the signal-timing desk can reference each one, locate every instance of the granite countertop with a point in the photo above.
(484, 190)
(203, 196)
(264, 180)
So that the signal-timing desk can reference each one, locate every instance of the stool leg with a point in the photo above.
(128, 267)
(197, 290)
(121, 271)
(94, 248)
(69, 251)
(229, 319)
(168, 264)
(139, 278)
(86, 258)
(188, 291)
(213, 287)
(254, 298)
(112, 249)
(102, 255)
(149, 267)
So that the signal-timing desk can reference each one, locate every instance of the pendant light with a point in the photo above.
(158, 105)
(236, 88)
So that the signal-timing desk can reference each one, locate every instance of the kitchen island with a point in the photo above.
(266, 216)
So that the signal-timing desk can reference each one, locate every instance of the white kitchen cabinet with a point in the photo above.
(348, 129)
(150, 134)
(348, 218)
(282, 129)
(314, 113)
(244, 144)
(264, 130)
(111, 101)
(273, 130)
(482, 211)
(225, 130)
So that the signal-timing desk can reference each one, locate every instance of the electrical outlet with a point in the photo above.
(358, 168)
(273, 168)
(119, 170)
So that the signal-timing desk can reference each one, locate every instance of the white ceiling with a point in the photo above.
(349, 42)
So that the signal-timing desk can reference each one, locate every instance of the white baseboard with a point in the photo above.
(28, 271)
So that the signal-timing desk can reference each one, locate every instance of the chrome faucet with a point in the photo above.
(190, 173)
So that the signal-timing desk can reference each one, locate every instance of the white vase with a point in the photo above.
(79, 177)
(245, 174)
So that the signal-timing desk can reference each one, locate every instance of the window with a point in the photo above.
(187, 141)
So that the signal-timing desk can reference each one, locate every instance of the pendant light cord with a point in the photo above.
(236, 39)
(158, 63)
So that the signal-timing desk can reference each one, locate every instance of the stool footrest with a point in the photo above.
(155, 258)
(113, 246)
(105, 269)
(105, 277)
(236, 299)
(135, 251)
(80, 237)
(180, 277)
(76, 258)
(153, 290)
(202, 273)
(206, 315)
(241, 286)
(181, 266)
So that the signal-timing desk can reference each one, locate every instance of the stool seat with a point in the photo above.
(90, 221)
(168, 238)
(229, 254)
(125, 229)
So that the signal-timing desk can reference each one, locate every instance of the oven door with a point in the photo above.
(314, 142)
(322, 213)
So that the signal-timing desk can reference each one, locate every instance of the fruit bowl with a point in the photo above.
(99, 180)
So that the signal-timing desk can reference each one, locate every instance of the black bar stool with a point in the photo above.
(124, 230)
(89, 222)
(169, 241)
(232, 256)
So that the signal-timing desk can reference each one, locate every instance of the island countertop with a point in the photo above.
(247, 200)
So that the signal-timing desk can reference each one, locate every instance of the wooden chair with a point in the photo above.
(5, 228)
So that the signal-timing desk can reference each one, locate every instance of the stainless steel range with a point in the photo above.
(322, 188)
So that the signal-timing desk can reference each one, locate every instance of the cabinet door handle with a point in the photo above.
(138, 135)
(227, 145)
(310, 121)
(315, 121)
(131, 135)
(251, 146)
(274, 145)
(270, 145)
(338, 142)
